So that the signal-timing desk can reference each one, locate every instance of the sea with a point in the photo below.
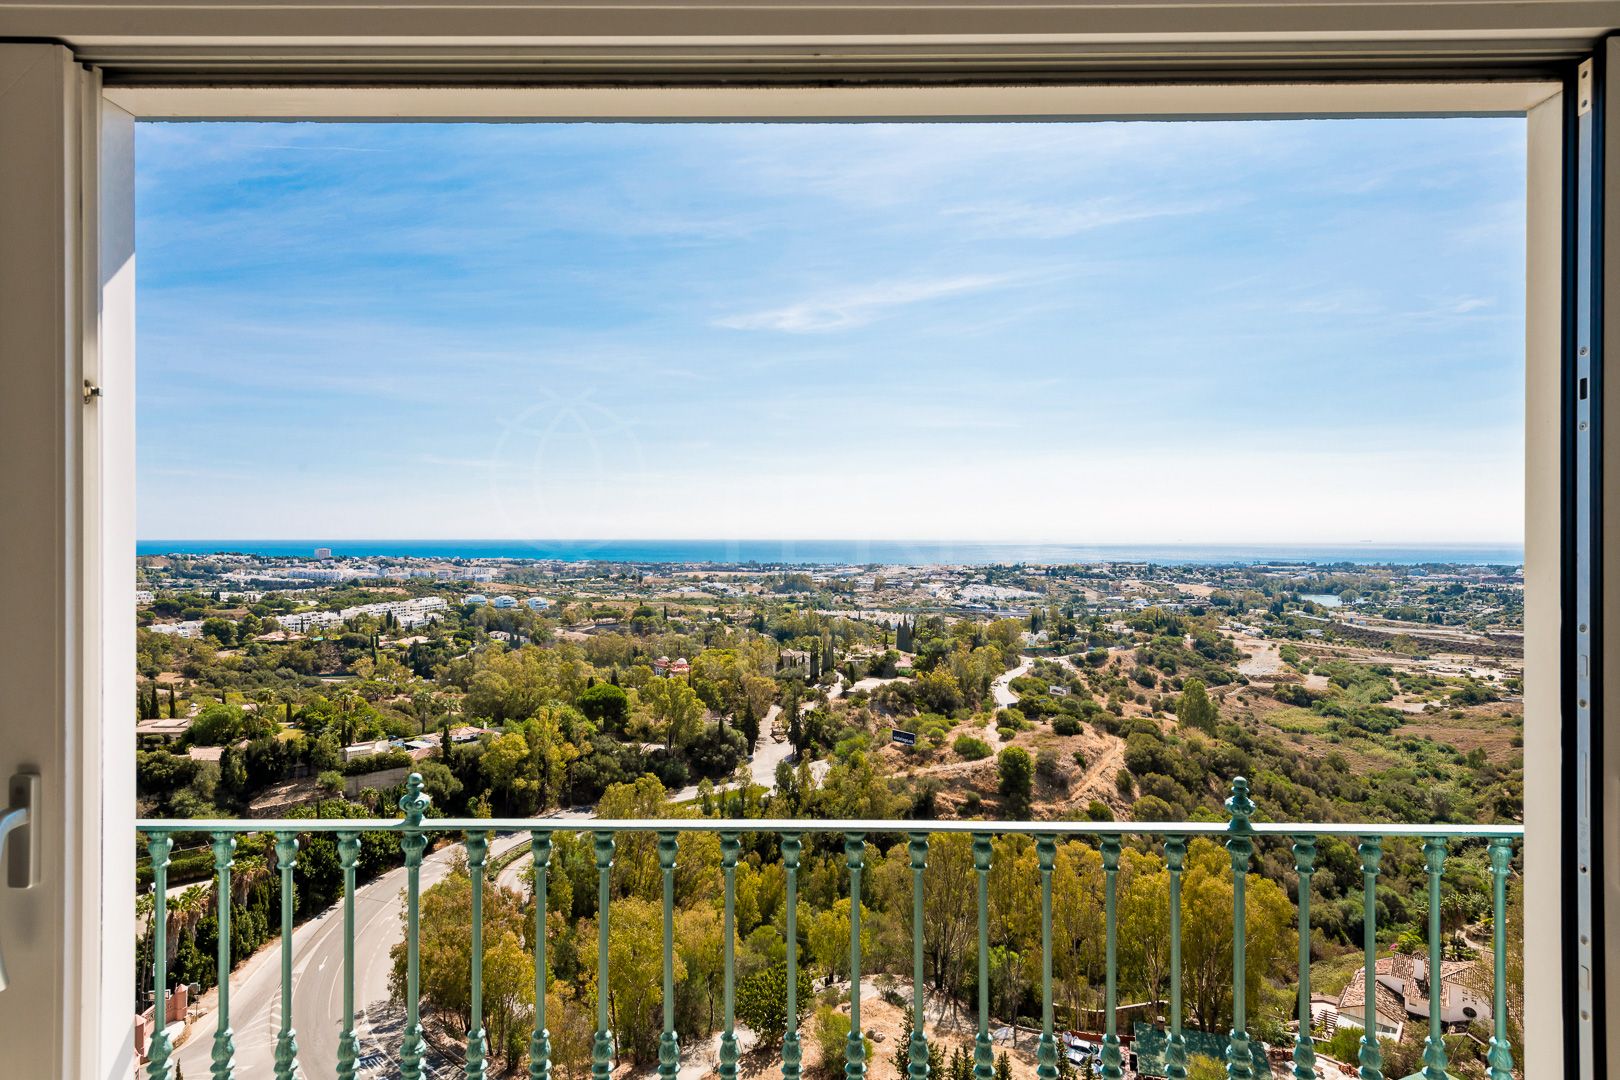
(859, 552)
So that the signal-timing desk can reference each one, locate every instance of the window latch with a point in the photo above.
(18, 842)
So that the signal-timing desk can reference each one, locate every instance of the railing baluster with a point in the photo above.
(1240, 836)
(287, 1038)
(1500, 1055)
(729, 847)
(669, 1046)
(1175, 1044)
(477, 1043)
(1112, 1062)
(1047, 1052)
(540, 1042)
(348, 848)
(1372, 1059)
(984, 1064)
(1434, 1047)
(855, 1045)
(917, 1065)
(791, 1051)
(1240, 845)
(602, 1045)
(224, 1056)
(413, 842)
(158, 1066)
(1304, 1044)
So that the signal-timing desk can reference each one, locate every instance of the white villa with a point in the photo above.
(1402, 994)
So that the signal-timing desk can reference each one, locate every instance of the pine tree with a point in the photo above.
(1195, 709)
(749, 726)
(1003, 1067)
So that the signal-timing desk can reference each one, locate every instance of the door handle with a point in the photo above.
(17, 841)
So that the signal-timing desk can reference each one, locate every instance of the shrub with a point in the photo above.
(388, 759)
(762, 1001)
(1017, 772)
(1293, 694)
(832, 1037)
(1047, 766)
(1124, 782)
(1152, 808)
(1066, 725)
(966, 746)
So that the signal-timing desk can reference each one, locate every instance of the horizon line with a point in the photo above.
(813, 540)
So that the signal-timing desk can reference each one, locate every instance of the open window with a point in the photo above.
(67, 294)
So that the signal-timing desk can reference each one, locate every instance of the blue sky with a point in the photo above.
(1304, 331)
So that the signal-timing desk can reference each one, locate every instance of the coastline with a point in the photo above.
(856, 552)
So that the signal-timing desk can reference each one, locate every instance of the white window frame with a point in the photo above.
(67, 322)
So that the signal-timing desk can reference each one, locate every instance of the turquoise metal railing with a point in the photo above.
(1240, 834)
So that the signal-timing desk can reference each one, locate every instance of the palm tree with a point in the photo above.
(184, 912)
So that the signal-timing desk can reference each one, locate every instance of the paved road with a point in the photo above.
(1001, 691)
(318, 981)
(771, 750)
(318, 960)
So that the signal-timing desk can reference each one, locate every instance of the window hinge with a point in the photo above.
(1583, 88)
(91, 391)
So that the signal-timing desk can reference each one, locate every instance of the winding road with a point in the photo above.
(317, 963)
(317, 951)
(1001, 691)
(318, 981)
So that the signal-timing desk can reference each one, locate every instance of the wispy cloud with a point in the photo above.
(642, 330)
(1052, 221)
(859, 307)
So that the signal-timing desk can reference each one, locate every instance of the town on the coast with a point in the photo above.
(314, 686)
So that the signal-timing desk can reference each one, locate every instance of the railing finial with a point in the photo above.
(414, 802)
(1239, 806)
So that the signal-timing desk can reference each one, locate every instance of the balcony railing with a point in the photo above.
(1239, 834)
